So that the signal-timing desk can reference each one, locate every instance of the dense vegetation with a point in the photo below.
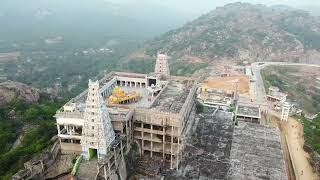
(312, 132)
(34, 122)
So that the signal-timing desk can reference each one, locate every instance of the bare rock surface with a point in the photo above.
(12, 89)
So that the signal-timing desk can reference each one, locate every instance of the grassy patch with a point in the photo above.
(311, 132)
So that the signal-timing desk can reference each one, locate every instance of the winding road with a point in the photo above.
(259, 91)
(293, 130)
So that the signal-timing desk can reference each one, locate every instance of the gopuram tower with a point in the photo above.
(97, 133)
(162, 65)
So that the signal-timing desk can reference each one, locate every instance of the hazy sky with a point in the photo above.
(202, 6)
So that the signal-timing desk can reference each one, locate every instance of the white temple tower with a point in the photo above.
(162, 65)
(97, 132)
(285, 111)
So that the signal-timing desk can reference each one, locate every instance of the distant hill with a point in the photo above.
(242, 31)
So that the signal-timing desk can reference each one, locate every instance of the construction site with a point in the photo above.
(151, 111)
(158, 126)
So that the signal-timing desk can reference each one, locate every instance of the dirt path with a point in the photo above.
(286, 154)
(294, 133)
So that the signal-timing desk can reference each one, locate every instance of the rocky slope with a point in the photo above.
(242, 31)
(12, 89)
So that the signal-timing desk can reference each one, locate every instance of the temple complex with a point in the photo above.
(155, 116)
(150, 110)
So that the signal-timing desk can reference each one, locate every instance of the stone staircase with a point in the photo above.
(87, 170)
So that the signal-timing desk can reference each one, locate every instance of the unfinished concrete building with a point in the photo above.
(160, 129)
(248, 113)
(156, 120)
(223, 91)
(276, 97)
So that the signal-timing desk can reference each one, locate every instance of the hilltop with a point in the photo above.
(242, 31)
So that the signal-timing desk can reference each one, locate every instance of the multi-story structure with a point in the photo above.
(162, 65)
(223, 91)
(285, 111)
(248, 112)
(276, 97)
(156, 121)
(97, 131)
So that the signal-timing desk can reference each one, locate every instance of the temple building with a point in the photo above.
(162, 65)
(152, 111)
(97, 131)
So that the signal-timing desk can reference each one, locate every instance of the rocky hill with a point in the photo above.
(242, 31)
(12, 89)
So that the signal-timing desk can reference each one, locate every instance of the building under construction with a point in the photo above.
(151, 110)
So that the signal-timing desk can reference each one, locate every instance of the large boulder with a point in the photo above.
(12, 89)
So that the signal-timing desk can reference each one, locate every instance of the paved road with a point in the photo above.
(259, 91)
(294, 130)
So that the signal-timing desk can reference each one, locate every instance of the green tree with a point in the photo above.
(31, 114)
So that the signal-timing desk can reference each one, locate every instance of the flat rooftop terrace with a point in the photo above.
(207, 152)
(256, 153)
(248, 110)
(173, 96)
(219, 150)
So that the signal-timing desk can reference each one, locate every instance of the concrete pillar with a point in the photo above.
(105, 172)
(109, 167)
(121, 147)
(142, 142)
(67, 128)
(115, 157)
(163, 141)
(178, 149)
(70, 130)
(58, 128)
(127, 134)
(171, 165)
(151, 140)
